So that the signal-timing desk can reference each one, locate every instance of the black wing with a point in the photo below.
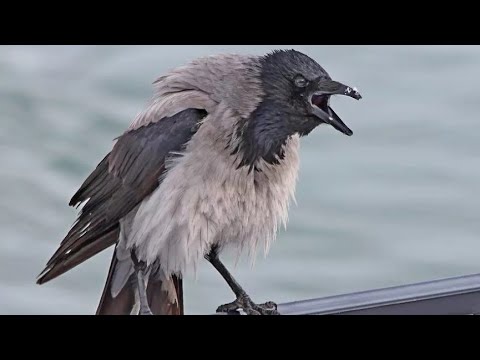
(129, 173)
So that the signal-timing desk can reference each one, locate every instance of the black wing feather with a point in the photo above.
(129, 173)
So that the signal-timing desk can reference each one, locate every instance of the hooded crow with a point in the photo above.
(210, 163)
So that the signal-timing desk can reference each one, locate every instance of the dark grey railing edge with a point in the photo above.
(452, 296)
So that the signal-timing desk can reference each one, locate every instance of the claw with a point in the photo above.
(249, 307)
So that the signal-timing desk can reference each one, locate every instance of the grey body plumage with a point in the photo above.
(211, 162)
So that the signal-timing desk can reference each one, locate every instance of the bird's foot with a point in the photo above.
(249, 307)
(145, 311)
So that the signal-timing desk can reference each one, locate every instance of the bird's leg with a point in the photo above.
(140, 267)
(243, 301)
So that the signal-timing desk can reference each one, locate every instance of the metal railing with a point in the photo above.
(452, 296)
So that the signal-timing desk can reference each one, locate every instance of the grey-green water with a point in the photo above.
(396, 203)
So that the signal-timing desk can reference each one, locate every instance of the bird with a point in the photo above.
(210, 163)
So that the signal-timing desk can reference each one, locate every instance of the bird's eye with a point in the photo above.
(300, 81)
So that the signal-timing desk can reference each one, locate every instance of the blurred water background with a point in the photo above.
(396, 203)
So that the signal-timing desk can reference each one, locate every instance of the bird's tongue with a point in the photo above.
(320, 101)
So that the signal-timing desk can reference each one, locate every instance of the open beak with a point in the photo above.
(320, 101)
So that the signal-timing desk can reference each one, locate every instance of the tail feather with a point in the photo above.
(124, 302)
(165, 296)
